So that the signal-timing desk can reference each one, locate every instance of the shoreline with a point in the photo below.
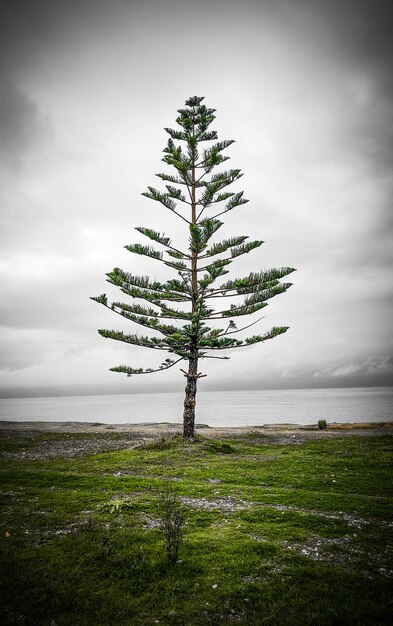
(44, 440)
(168, 428)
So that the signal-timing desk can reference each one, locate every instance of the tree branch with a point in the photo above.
(124, 369)
(221, 358)
(238, 330)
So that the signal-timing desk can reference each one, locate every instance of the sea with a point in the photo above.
(214, 408)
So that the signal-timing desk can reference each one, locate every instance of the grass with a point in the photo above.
(276, 534)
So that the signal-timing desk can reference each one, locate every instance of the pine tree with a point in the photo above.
(193, 299)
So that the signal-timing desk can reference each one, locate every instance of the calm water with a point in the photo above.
(215, 408)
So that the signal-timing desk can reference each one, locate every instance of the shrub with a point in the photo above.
(322, 425)
(172, 523)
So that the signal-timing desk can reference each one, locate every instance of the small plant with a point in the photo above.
(116, 506)
(172, 523)
(106, 545)
(322, 425)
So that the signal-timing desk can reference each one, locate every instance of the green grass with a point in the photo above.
(276, 534)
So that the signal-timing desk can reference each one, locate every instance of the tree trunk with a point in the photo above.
(192, 375)
(190, 397)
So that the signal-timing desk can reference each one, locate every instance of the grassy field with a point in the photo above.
(275, 534)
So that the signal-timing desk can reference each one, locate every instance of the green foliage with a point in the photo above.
(102, 299)
(223, 246)
(164, 198)
(137, 248)
(322, 425)
(244, 249)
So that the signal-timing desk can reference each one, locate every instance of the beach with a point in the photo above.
(72, 439)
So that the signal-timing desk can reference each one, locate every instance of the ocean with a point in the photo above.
(214, 408)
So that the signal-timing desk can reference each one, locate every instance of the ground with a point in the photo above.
(101, 437)
(283, 525)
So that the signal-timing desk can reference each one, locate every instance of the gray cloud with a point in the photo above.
(367, 371)
(22, 125)
(356, 34)
(305, 87)
(361, 29)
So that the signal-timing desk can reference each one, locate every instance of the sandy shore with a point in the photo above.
(82, 438)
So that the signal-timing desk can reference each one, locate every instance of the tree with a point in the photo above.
(194, 299)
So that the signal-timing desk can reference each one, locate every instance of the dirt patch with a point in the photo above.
(354, 521)
(222, 504)
(68, 449)
(343, 551)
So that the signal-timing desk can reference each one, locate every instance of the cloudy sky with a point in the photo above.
(305, 89)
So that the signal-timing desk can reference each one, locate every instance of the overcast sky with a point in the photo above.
(305, 89)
